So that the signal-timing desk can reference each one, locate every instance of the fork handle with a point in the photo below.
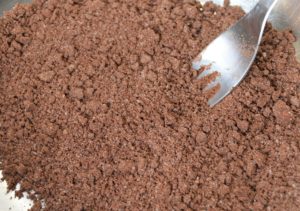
(256, 19)
(267, 3)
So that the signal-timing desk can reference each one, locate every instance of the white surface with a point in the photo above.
(8, 201)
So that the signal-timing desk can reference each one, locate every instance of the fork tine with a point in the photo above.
(199, 63)
(223, 92)
(205, 73)
(211, 85)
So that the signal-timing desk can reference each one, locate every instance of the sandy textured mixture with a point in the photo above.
(100, 110)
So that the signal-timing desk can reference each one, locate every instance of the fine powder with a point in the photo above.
(100, 110)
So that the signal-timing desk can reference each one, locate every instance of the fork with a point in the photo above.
(233, 52)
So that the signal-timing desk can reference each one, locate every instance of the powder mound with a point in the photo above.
(243, 125)
(283, 113)
(100, 110)
(46, 76)
(77, 93)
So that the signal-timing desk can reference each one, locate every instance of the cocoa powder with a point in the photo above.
(100, 110)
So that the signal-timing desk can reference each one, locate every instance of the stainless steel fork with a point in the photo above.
(233, 52)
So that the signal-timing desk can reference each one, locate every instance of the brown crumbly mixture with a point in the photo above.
(100, 110)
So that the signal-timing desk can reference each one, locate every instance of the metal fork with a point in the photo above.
(233, 52)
